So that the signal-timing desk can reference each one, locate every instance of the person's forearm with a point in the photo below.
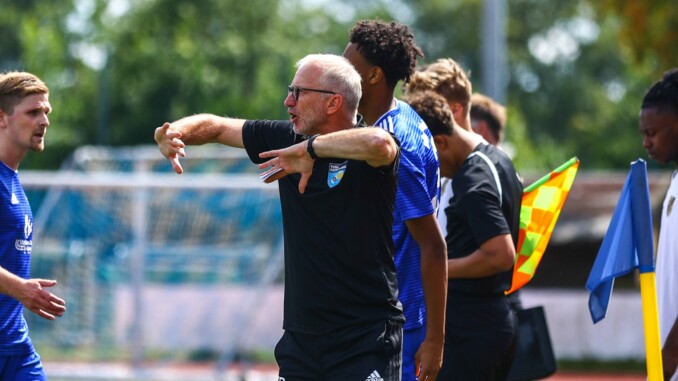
(8, 282)
(433, 259)
(494, 256)
(207, 128)
(475, 265)
(370, 144)
(434, 282)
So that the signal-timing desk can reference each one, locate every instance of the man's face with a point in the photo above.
(27, 125)
(307, 112)
(481, 128)
(660, 135)
(361, 65)
(449, 164)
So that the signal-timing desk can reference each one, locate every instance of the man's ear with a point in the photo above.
(376, 74)
(440, 142)
(456, 108)
(3, 118)
(334, 103)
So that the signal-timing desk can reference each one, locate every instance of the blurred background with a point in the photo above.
(159, 268)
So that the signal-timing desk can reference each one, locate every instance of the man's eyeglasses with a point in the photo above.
(296, 90)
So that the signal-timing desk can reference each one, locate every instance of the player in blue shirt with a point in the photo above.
(24, 106)
(385, 54)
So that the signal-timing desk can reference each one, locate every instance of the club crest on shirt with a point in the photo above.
(25, 245)
(669, 207)
(28, 226)
(335, 173)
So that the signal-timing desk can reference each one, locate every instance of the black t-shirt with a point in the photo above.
(480, 210)
(339, 268)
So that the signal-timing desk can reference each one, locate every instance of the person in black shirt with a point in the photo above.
(337, 183)
(482, 233)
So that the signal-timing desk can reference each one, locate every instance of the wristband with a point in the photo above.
(309, 147)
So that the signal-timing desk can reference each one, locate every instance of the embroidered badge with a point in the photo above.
(669, 207)
(28, 226)
(335, 173)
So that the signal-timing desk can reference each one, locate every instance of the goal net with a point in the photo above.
(152, 261)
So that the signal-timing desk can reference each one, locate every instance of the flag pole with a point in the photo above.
(643, 235)
(546, 177)
(653, 351)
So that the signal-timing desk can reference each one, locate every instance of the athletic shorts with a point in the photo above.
(412, 339)
(22, 368)
(480, 340)
(370, 352)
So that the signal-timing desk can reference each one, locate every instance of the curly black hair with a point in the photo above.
(390, 46)
(433, 109)
(663, 94)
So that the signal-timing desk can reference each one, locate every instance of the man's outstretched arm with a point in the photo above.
(373, 145)
(172, 138)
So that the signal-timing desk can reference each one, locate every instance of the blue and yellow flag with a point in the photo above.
(629, 244)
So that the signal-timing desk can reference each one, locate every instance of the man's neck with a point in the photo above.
(373, 106)
(467, 142)
(10, 157)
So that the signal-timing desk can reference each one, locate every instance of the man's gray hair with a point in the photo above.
(338, 75)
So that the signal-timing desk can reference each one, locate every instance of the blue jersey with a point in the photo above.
(417, 196)
(16, 238)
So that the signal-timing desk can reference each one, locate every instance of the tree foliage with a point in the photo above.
(34, 37)
(571, 90)
(118, 69)
(647, 29)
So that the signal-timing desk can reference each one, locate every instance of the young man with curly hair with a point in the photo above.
(385, 53)
(483, 220)
(24, 105)
(659, 127)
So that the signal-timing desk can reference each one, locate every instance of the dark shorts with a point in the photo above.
(480, 340)
(25, 368)
(370, 352)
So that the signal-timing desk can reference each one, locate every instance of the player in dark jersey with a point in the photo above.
(482, 233)
(337, 184)
(24, 105)
(385, 54)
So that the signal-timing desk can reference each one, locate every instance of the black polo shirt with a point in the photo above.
(339, 268)
(486, 203)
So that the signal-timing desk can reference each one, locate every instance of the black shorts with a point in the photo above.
(480, 340)
(371, 352)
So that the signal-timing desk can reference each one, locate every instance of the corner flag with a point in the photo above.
(629, 244)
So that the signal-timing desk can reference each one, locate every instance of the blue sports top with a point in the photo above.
(16, 238)
(417, 196)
